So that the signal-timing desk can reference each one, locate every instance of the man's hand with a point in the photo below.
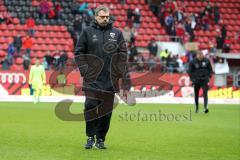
(125, 93)
(128, 98)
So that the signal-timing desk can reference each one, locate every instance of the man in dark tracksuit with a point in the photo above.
(101, 57)
(200, 72)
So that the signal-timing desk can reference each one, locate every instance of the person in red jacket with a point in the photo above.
(227, 45)
(180, 32)
(58, 9)
(30, 26)
(51, 13)
(27, 44)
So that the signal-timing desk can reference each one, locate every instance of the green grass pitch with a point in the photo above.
(33, 132)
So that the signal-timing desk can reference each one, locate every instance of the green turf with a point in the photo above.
(33, 132)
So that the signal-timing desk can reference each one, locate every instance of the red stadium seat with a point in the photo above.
(2, 40)
(39, 54)
(52, 47)
(144, 25)
(33, 60)
(15, 20)
(151, 25)
(44, 47)
(3, 54)
(40, 28)
(11, 27)
(19, 61)
(15, 67)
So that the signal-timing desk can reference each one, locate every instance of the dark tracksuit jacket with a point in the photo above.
(200, 71)
(101, 57)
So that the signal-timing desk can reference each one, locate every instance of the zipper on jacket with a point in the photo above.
(103, 33)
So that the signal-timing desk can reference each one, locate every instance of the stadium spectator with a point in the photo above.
(219, 41)
(216, 14)
(62, 60)
(180, 65)
(137, 18)
(190, 55)
(227, 45)
(49, 59)
(27, 44)
(179, 15)
(180, 32)
(169, 21)
(127, 34)
(224, 32)
(171, 63)
(45, 64)
(164, 55)
(139, 62)
(151, 63)
(11, 50)
(162, 14)
(192, 19)
(132, 52)
(5, 64)
(51, 13)
(129, 17)
(212, 46)
(58, 9)
(26, 61)
(198, 21)
(153, 48)
(209, 8)
(206, 21)
(44, 9)
(17, 42)
(56, 56)
(78, 24)
(133, 35)
(30, 26)
(185, 62)
(173, 32)
(190, 31)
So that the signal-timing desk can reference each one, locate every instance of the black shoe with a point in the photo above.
(90, 143)
(206, 111)
(100, 144)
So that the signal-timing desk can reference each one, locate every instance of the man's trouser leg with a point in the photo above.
(105, 113)
(98, 111)
(90, 111)
(196, 94)
(205, 95)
